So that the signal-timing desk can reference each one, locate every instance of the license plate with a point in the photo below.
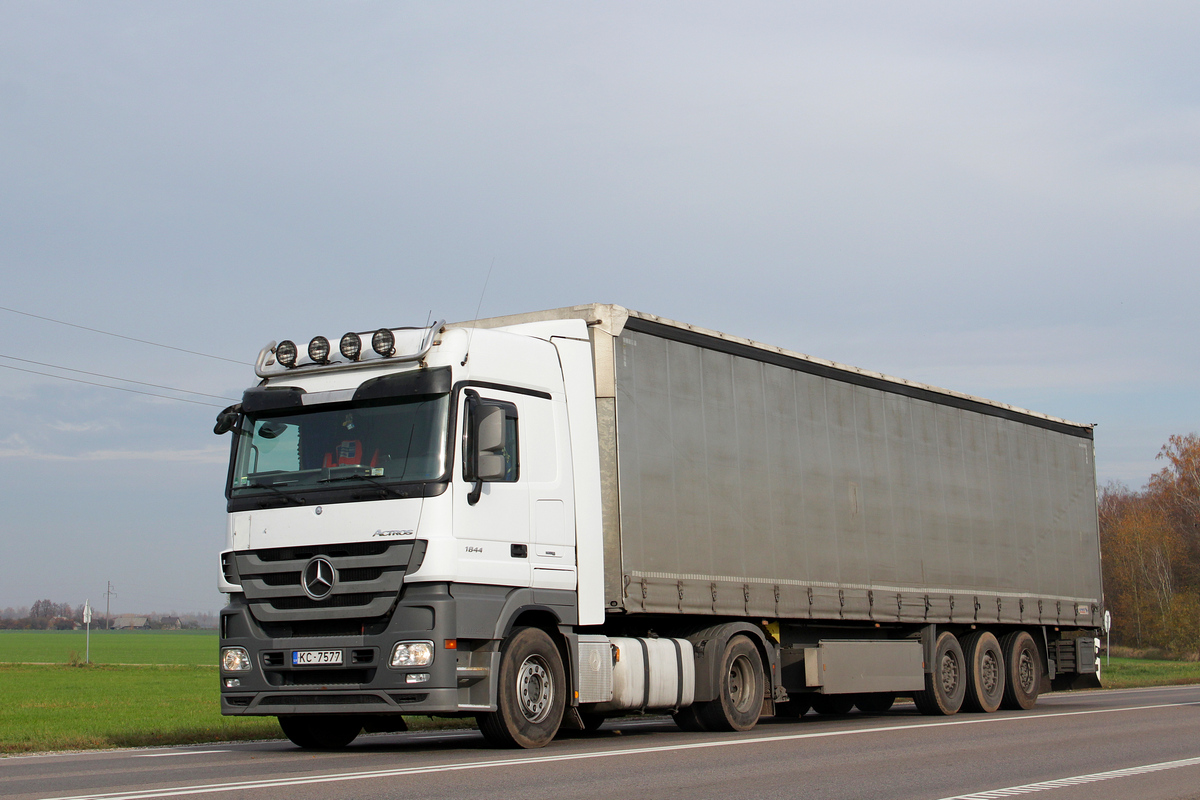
(304, 658)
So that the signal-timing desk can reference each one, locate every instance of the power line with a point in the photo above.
(107, 386)
(121, 336)
(116, 378)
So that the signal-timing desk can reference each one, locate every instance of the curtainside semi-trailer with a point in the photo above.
(548, 519)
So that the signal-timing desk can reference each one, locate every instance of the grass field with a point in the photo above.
(52, 706)
(193, 648)
(1128, 673)
(77, 708)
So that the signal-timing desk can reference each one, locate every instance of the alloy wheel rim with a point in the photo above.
(534, 688)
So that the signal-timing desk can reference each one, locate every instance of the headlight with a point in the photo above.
(235, 659)
(351, 346)
(383, 342)
(412, 654)
(318, 350)
(285, 353)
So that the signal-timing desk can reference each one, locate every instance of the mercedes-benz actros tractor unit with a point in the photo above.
(548, 519)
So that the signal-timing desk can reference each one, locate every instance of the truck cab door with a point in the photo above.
(491, 501)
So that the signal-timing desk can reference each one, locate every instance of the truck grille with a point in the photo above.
(320, 677)
(368, 580)
(320, 699)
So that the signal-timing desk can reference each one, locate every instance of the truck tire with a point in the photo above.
(739, 690)
(1022, 671)
(530, 694)
(321, 731)
(946, 685)
(874, 702)
(794, 708)
(688, 719)
(985, 672)
(833, 704)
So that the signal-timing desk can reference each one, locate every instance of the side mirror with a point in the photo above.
(227, 420)
(489, 444)
(485, 460)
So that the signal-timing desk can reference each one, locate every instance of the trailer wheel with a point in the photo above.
(530, 695)
(874, 702)
(688, 719)
(985, 672)
(739, 691)
(1022, 671)
(946, 685)
(794, 708)
(321, 731)
(833, 704)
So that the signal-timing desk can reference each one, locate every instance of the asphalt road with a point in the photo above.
(1139, 743)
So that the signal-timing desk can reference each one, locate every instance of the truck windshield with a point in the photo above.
(402, 441)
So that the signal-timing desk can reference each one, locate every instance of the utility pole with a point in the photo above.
(108, 595)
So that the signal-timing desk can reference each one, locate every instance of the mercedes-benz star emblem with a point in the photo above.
(318, 578)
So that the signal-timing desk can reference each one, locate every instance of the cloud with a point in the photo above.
(77, 427)
(16, 447)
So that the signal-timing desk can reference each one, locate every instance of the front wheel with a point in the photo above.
(531, 694)
(740, 691)
(320, 731)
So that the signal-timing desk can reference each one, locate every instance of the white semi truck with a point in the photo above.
(548, 519)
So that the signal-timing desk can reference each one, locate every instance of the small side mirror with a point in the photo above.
(227, 420)
(492, 466)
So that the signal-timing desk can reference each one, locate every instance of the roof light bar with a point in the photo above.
(405, 344)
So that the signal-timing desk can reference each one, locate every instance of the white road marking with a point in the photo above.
(180, 753)
(1030, 788)
(212, 788)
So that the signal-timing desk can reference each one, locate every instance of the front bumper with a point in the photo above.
(363, 683)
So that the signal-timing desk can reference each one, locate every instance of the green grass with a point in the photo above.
(70, 708)
(1129, 673)
(110, 647)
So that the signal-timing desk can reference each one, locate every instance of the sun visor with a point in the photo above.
(271, 398)
(406, 384)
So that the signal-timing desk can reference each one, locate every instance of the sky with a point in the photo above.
(1001, 198)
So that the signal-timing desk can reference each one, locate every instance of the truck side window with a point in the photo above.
(511, 448)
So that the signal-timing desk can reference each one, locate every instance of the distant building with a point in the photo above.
(171, 623)
(131, 623)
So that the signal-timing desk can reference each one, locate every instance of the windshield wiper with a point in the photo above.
(290, 498)
(383, 486)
